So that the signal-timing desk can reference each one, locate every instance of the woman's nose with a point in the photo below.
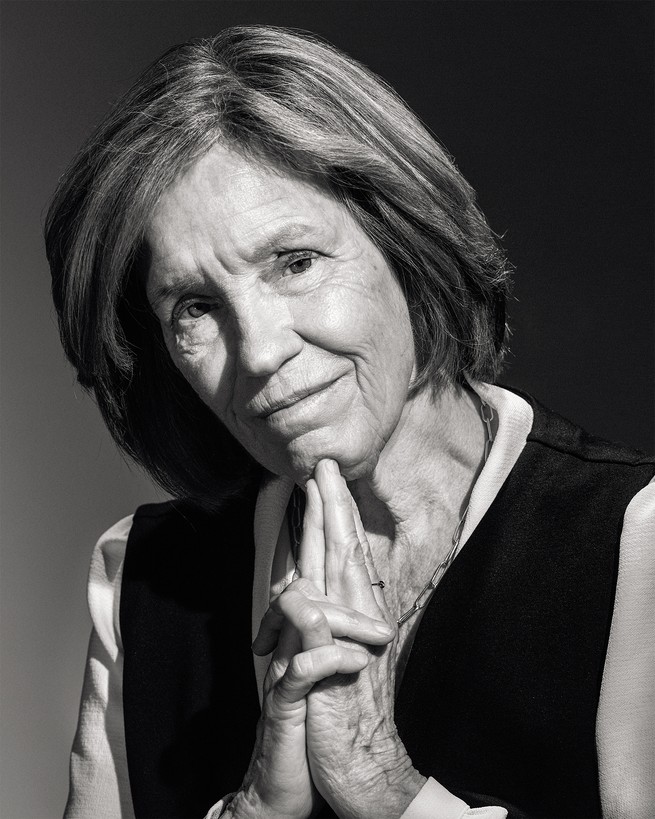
(265, 336)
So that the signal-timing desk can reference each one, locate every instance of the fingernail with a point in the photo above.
(384, 628)
(332, 467)
(259, 649)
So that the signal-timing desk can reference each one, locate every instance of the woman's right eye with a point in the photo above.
(193, 309)
(198, 308)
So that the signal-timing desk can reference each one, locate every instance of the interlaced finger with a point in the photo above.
(368, 558)
(311, 555)
(288, 646)
(342, 620)
(310, 667)
(347, 576)
(306, 616)
(274, 619)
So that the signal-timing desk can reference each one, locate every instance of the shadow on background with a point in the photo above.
(547, 109)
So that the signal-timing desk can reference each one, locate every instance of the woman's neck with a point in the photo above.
(424, 476)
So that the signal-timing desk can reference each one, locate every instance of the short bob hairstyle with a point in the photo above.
(291, 100)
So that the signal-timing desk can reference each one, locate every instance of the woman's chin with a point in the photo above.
(353, 466)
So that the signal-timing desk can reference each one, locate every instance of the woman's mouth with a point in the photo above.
(297, 397)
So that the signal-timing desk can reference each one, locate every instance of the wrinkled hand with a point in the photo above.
(303, 623)
(357, 760)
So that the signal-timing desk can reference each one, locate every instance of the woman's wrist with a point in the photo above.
(385, 791)
(239, 807)
(248, 803)
(400, 788)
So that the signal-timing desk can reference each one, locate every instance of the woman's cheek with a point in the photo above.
(199, 354)
(340, 311)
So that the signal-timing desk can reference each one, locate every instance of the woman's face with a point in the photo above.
(281, 313)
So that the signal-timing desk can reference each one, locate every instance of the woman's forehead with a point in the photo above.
(244, 203)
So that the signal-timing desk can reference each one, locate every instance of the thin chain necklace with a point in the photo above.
(427, 591)
(298, 511)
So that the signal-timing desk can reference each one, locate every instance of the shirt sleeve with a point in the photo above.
(625, 726)
(99, 784)
(433, 801)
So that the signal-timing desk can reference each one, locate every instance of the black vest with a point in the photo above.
(500, 694)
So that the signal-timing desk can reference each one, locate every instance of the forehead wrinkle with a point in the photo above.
(269, 211)
(269, 240)
(171, 269)
(174, 286)
(246, 219)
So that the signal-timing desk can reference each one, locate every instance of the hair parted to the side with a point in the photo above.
(288, 98)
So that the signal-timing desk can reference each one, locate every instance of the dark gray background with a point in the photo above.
(547, 108)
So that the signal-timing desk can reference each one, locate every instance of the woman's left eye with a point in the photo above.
(300, 264)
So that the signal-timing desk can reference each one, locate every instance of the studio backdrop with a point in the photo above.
(547, 109)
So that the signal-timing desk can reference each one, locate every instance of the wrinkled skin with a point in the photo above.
(353, 750)
(268, 291)
(290, 325)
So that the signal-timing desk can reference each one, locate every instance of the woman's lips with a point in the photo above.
(297, 397)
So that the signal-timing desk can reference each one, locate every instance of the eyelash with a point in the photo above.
(299, 256)
(290, 258)
(189, 302)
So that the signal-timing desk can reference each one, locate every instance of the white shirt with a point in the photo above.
(625, 723)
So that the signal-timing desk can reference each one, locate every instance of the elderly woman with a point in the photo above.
(291, 313)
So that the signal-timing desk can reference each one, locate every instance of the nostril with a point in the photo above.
(265, 331)
(262, 351)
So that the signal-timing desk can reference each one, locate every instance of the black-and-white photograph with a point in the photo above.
(328, 409)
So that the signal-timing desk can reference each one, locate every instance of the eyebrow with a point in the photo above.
(289, 232)
(183, 282)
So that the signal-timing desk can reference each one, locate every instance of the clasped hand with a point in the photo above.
(327, 730)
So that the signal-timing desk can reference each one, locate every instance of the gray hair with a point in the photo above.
(291, 99)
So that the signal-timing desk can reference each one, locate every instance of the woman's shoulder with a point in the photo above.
(108, 555)
(107, 567)
(167, 516)
(109, 551)
(103, 590)
(163, 522)
(555, 431)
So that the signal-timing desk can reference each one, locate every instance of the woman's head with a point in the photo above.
(290, 103)
(281, 313)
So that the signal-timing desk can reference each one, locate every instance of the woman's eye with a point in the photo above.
(193, 310)
(300, 265)
(198, 309)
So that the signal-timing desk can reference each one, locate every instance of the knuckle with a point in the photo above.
(301, 584)
(314, 522)
(343, 497)
(352, 618)
(355, 556)
(301, 666)
(286, 600)
(313, 617)
(281, 699)
(351, 539)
